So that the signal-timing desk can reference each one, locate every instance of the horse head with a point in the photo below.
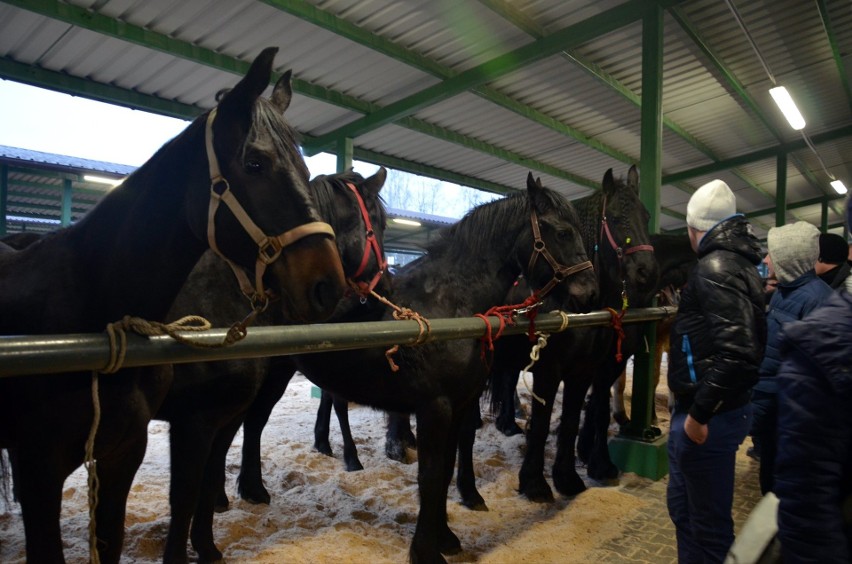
(623, 243)
(558, 267)
(351, 204)
(260, 214)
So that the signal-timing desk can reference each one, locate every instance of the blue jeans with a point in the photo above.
(700, 493)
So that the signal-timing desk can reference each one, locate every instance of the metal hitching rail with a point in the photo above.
(43, 354)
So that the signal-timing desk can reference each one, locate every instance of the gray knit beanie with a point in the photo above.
(709, 205)
(793, 249)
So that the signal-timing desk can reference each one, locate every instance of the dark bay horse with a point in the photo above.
(615, 232)
(130, 256)
(468, 269)
(207, 402)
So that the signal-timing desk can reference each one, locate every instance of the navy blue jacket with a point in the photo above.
(790, 302)
(813, 468)
(719, 334)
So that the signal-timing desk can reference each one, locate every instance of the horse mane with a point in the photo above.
(265, 116)
(472, 235)
(589, 210)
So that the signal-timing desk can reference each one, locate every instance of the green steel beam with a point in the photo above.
(652, 118)
(344, 154)
(823, 223)
(567, 38)
(795, 205)
(67, 193)
(61, 82)
(760, 155)
(741, 91)
(831, 36)
(377, 43)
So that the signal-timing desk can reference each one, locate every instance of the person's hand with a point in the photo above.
(697, 432)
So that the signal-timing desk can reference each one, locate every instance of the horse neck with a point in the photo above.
(458, 282)
(137, 244)
(606, 263)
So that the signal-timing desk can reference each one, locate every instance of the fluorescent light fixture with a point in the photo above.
(410, 222)
(102, 180)
(788, 107)
(838, 186)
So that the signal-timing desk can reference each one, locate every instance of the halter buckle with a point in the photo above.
(268, 250)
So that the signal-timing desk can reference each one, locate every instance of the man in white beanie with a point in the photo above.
(793, 252)
(717, 345)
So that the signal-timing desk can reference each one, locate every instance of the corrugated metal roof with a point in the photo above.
(568, 112)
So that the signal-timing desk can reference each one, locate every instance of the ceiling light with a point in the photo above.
(788, 107)
(406, 222)
(838, 186)
(102, 180)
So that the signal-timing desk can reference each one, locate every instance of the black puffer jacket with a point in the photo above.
(719, 334)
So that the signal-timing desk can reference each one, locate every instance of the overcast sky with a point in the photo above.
(52, 122)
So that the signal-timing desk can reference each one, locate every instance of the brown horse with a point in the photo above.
(130, 256)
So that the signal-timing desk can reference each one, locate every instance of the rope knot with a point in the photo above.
(404, 314)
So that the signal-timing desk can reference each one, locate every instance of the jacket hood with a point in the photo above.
(733, 234)
(793, 249)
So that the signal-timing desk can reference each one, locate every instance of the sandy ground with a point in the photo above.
(320, 513)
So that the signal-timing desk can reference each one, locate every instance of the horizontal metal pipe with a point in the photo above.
(44, 354)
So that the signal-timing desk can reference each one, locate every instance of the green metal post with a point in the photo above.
(66, 202)
(781, 190)
(823, 223)
(4, 196)
(345, 149)
(641, 448)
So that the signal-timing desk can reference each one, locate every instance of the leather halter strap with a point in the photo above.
(619, 251)
(371, 245)
(560, 272)
(269, 248)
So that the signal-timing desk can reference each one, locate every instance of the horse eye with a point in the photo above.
(253, 166)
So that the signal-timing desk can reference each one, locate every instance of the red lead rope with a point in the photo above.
(617, 325)
(504, 314)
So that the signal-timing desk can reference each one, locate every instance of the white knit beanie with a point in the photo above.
(793, 249)
(709, 205)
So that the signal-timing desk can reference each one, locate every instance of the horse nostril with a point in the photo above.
(325, 297)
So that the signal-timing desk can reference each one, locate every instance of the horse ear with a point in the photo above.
(238, 102)
(608, 183)
(633, 178)
(374, 184)
(282, 93)
(532, 185)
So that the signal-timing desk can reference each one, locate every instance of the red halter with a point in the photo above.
(372, 244)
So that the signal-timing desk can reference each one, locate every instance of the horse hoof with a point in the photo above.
(509, 429)
(621, 418)
(449, 543)
(474, 502)
(222, 503)
(323, 448)
(537, 493)
(395, 450)
(607, 473)
(354, 466)
(569, 486)
(255, 497)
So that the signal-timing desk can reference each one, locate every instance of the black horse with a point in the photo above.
(207, 402)
(675, 259)
(130, 256)
(615, 232)
(467, 270)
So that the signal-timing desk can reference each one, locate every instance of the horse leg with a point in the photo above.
(190, 451)
(321, 427)
(619, 413)
(350, 451)
(201, 533)
(532, 483)
(466, 479)
(435, 459)
(505, 421)
(399, 436)
(39, 481)
(115, 477)
(565, 477)
(250, 480)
